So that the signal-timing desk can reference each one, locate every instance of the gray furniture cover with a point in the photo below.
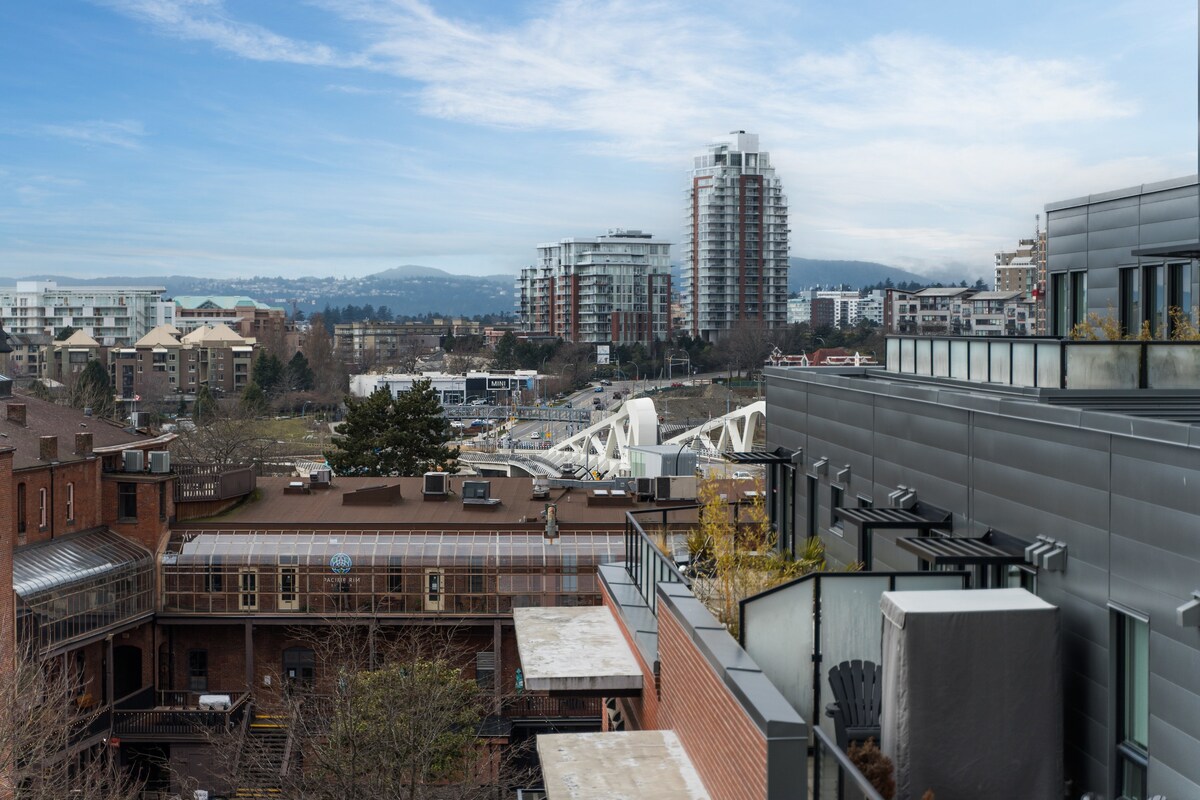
(972, 694)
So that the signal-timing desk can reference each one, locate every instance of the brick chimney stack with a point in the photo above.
(83, 444)
(48, 448)
(16, 413)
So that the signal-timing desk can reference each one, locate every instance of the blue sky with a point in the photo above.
(226, 138)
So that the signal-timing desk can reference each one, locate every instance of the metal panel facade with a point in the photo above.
(1124, 496)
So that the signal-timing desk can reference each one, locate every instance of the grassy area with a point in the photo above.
(288, 430)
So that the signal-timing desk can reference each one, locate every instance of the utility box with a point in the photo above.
(972, 694)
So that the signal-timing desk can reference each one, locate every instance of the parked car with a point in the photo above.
(676, 385)
(742, 475)
(606, 382)
(535, 435)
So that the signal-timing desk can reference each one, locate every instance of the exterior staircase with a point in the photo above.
(262, 758)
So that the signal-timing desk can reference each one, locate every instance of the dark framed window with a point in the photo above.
(162, 501)
(214, 578)
(1060, 320)
(811, 487)
(1179, 296)
(127, 502)
(1078, 297)
(1130, 290)
(20, 508)
(299, 666)
(395, 575)
(1132, 657)
(475, 576)
(248, 589)
(1154, 294)
(43, 510)
(837, 496)
(71, 502)
(197, 670)
(485, 670)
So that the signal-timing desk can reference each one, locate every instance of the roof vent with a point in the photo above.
(541, 488)
(478, 493)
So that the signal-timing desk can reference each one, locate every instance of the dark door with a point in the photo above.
(127, 670)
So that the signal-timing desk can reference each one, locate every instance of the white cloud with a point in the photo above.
(126, 133)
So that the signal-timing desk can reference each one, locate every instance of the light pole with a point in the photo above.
(545, 389)
(304, 408)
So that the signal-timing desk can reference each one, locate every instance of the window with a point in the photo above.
(162, 501)
(865, 502)
(1060, 321)
(71, 502)
(395, 576)
(811, 487)
(289, 598)
(1179, 296)
(127, 502)
(42, 515)
(570, 573)
(485, 670)
(197, 670)
(214, 578)
(299, 666)
(20, 508)
(1133, 691)
(475, 577)
(836, 493)
(248, 589)
(1131, 301)
(1154, 291)
(1078, 297)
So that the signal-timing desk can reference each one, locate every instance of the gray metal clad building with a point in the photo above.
(994, 444)
(1129, 254)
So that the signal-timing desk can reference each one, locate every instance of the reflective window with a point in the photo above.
(42, 510)
(1133, 709)
(70, 502)
(127, 502)
(198, 670)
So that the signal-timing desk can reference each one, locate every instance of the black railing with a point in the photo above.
(532, 705)
(645, 561)
(142, 698)
(178, 723)
(834, 776)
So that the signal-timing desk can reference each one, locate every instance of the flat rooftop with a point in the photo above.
(575, 650)
(517, 507)
(627, 765)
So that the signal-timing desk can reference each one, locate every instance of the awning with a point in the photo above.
(922, 518)
(575, 651)
(780, 455)
(82, 557)
(1182, 250)
(629, 765)
(952, 552)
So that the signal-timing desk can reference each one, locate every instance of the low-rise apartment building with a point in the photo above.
(112, 315)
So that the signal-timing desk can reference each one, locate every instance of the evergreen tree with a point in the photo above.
(254, 400)
(506, 352)
(268, 373)
(205, 407)
(405, 435)
(64, 333)
(94, 390)
(299, 374)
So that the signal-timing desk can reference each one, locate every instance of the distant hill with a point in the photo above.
(806, 273)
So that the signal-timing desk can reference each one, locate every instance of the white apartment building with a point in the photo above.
(958, 311)
(735, 249)
(112, 315)
(848, 308)
(609, 289)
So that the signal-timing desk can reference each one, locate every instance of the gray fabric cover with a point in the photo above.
(972, 694)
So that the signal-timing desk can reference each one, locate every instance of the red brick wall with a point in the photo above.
(149, 528)
(640, 713)
(728, 750)
(8, 527)
(55, 480)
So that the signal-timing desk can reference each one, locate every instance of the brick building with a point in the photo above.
(168, 364)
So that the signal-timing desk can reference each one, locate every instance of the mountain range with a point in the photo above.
(412, 289)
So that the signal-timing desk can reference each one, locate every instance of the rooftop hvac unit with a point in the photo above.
(436, 483)
(477, 493)
(683, 487)
(131, 460)
(160, 462)
(662, 487)
(644, 487)
(320, 477)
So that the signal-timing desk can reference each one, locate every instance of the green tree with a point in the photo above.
(40, 390)
(299, 374)
(254, 400)
(268, 372)
(93, 389)
(205, 407)
(384, 435)
(65, 333)
(506, 352)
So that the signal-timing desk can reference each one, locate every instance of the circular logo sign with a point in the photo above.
(340, 563)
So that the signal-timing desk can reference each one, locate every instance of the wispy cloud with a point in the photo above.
(126, 133)
(207, 21)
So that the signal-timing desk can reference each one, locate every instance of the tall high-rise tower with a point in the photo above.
(735, 245)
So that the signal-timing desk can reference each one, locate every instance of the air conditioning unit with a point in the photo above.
(683, 487)
(132, 460)
(160, 462)
(662, 488)
(436, 484)
(644, 488)
(320, 477)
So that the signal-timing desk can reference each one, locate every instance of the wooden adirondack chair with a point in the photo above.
(857, 692)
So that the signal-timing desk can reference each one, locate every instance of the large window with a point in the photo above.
(485, 670)
(812, 486)
(127, 502)
(20, 508)
(1133, 712)
(197, 670)
(248, 590)
(1179, 296)
(214, 578)
(1078, 297)
(1154, 293)
(836, 497)
(299, 666)
(1131, 301)
(1059, 317)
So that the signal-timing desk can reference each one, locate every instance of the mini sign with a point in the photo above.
(340, 563)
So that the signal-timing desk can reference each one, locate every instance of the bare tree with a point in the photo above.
(387, 715)
(45, 715)
(225, 438)
(745, 346)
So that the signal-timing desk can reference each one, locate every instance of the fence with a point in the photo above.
(199, 482)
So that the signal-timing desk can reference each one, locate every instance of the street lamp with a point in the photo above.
(304, 408)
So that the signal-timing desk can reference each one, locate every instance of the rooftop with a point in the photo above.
(517, 507)
(634, 764)
(43, 418)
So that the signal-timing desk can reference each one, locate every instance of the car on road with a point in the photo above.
(598, 389)
(606, 382)
(676, 385)
(742, 475)
(570, 405)
(535, 435)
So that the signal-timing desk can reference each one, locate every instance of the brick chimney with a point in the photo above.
(48, 448)
(16, 413)
(83, 444)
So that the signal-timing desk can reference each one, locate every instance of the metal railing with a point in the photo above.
(532, 705)
(645, 561)
(177, 723)
(834, 776)
(199, 482)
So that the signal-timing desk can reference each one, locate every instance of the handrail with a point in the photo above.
(646, 564)
(845, 768)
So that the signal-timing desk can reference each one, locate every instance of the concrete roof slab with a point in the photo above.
(575, 650)
(628, 765)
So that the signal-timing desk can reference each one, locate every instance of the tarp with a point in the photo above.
(972, 694)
